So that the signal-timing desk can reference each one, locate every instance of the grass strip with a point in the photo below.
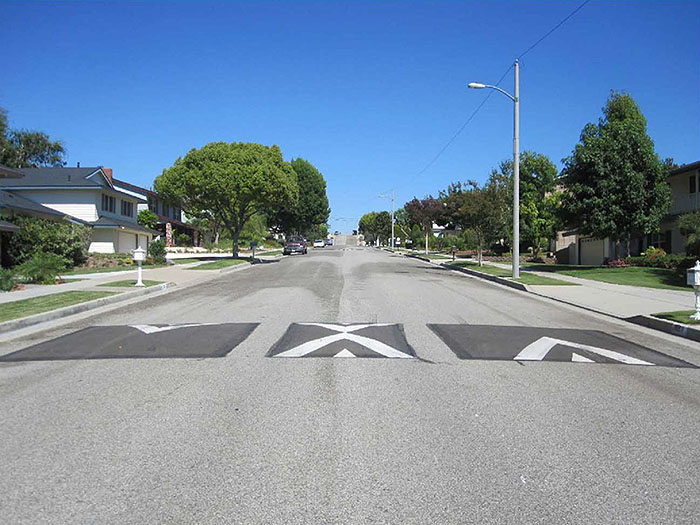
(217, 265)
(131, 283)
(46, 303)
(83, 271)
(525, 278)
(681, 316)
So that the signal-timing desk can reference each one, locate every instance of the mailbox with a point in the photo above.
(694, 275)
(139, 254)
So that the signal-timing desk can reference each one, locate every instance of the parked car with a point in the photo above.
(295, 244)
(318, 243)
(329, 242)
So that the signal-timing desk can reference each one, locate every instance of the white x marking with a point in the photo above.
(344, 335)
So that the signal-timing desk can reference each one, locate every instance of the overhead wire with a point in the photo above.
(486, 98)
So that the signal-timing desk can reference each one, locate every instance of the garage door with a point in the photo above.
(127, 242)
(592, 251)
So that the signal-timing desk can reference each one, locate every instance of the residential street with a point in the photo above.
(457, 402)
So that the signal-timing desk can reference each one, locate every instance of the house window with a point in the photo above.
(109, 203)
(153, 204)
(660, 240)
(691, 183)
(127, 208)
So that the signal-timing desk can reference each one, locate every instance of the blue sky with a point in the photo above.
(368, 92)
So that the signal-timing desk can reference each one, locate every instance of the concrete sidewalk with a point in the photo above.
(611, 299)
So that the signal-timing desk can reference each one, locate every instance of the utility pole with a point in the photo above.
(516, 173)
(392, 219)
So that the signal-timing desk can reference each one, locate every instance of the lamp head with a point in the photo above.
(476, 85)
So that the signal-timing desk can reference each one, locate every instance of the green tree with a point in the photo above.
(424, 213)
(311, 210)
(615, 183)
(479, 209)
(229, 182)
(21, 148)
(689, 225)
(147, 219)
(539, 219)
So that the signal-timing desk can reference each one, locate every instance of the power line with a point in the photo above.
(474, 113)
(553, 29)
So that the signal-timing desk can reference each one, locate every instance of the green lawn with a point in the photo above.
(82, 271)
(130, 283)
(525, 278)
(682, 316)
(217, 265)
(184, 261)
(630, 275)
(37, 305)
(271, 252)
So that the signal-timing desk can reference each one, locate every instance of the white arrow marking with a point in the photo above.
(311, 346)
(539, 349)
(576, 358)
(150, 329)
(345, 329)
(345, 353)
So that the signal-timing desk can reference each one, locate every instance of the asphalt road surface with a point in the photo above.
(349, 385)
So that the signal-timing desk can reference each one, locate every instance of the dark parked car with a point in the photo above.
(295, 244)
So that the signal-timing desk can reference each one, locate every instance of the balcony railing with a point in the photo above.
(684, 203)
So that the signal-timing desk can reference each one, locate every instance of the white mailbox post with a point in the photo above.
(694, 281)
(139, 254)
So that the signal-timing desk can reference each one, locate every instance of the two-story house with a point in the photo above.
(89, 196)
(170, 222)
(685, 198)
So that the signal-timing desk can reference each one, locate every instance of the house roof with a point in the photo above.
(20, 204)
(110, 222)
(62, 178)
(9, 172)
(134, 187)
(685, 168)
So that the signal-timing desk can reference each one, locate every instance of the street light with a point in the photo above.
(516, 161)
(384, 196)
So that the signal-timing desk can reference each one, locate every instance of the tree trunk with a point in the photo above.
(617, 250)
(426, 242)
(627, 246)
(235, 232)
(479, 250)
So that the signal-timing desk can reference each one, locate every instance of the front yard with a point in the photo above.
(629, 275)
(217, 265)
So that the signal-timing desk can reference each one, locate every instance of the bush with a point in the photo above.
(7, 280)
(617, 263)
(42, 268)
(35, 236)
(147, 219)
(157, 251)
(183, 240)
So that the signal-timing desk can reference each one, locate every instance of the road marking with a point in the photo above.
(539, 349)
(152, 329)
(580, 359)
(343, 340)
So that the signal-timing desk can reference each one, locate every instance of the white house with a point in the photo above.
(88, 196)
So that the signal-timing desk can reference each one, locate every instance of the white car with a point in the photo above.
(318, 243)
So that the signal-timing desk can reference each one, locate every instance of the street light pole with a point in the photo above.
(516, 161)
(516, 172)
(392, 219)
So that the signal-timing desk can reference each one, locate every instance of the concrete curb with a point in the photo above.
(670, 327)
(488, 277)
(16, 324)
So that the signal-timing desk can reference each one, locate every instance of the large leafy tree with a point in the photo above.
(615, 183)
(367, 226)
(539, 200)
(21, 148)
(481, 209)
(229, 182)
(424, 212)
(311, 211)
